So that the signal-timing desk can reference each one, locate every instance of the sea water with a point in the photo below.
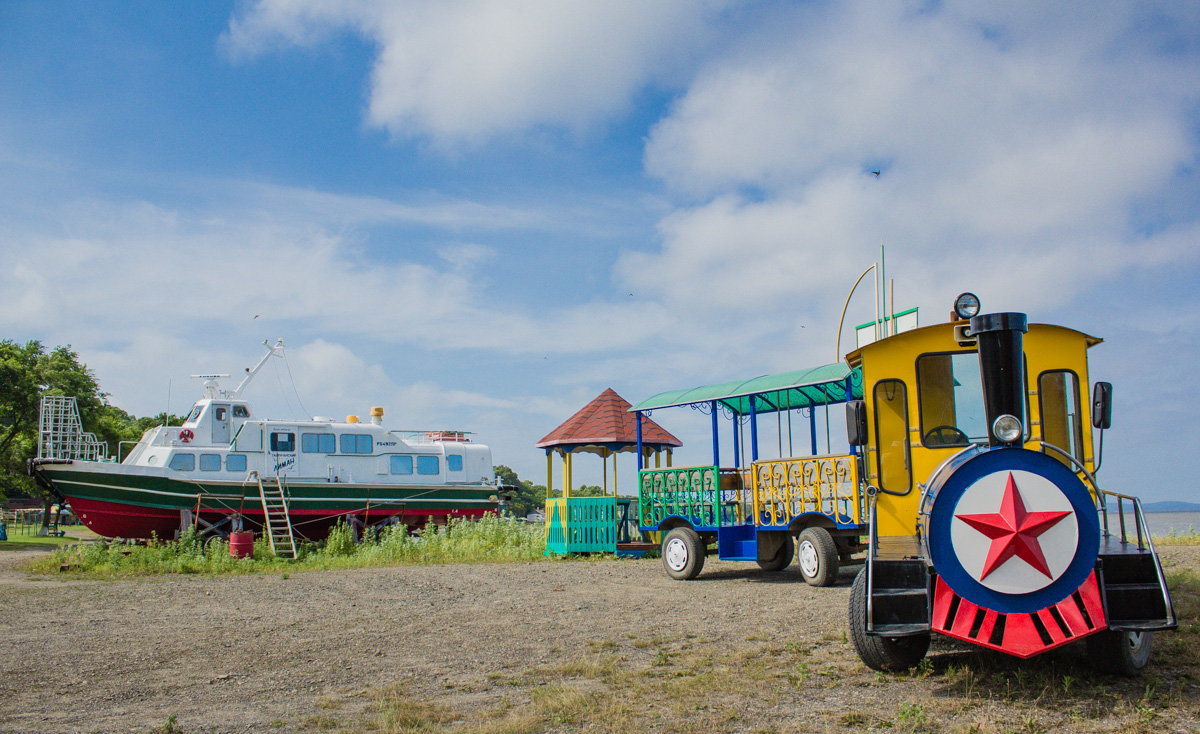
(1167, 523)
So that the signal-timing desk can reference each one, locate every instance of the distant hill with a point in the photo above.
(1171, 506)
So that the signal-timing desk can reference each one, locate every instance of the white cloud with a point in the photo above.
(866, 82)
(280, 263)
(464, 71)
(1034, 137)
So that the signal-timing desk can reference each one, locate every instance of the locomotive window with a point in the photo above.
(1062, 425)
(950, 392)
(891, 437)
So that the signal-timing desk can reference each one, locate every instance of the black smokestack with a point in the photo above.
(1000, 337)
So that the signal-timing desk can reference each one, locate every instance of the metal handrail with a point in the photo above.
(1076, 462)
(1143, 533)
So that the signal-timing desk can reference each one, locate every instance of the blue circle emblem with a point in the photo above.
(1012, 530)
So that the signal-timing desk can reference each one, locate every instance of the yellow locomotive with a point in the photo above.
(987, 523)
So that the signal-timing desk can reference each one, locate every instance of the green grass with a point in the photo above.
(490, 539)
(1191, 537)
(20, 541)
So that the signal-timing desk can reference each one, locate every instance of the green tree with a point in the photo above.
(27, 373)
(526, 496)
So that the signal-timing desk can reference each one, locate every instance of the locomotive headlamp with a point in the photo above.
(966, 305)
(1007, 428)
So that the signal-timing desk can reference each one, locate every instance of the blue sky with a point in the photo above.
(480, 214)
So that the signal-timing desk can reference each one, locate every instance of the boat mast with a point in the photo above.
(273, 350)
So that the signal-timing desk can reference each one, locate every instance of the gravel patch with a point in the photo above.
(268, 653)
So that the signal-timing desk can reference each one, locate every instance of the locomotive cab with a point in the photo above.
(987, 523)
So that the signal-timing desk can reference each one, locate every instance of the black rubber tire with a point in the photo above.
(818, 557)
(782, 558)
(881, 653)
(683, 554)
(1120, 653)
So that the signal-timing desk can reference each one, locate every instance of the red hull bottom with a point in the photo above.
(116, 520)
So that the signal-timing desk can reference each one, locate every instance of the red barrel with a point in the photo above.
(241, 545)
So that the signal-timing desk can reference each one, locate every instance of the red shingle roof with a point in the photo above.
(607, 421)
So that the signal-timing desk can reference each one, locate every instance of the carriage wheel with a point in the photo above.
(880, 653)
(683, 554)
(818, 557)
(782, 558)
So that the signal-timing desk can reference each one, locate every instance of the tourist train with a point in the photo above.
(970, 485)
(227, 469)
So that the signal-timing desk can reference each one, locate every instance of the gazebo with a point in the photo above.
(604, 427)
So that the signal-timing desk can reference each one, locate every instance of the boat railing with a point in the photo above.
(425, 436)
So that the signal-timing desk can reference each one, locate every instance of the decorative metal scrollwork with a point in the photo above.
(787, 488)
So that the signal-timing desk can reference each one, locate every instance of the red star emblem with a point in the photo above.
(1014, 531)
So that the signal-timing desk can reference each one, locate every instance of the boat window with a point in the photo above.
(195, 414)
(240, 411)
(355, 443)
(183, 462)
(221, 413)
(402, 465)
(235, 462)
(428, 465)
(891, 437)
(283, 441)
(453, 462)
(210, 462)
(1058, 400)
(317, 443)
(950, 392)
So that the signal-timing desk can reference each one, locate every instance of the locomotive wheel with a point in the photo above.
(818, 557)
(782, 558)
(880, 653)
(683, 554)
(1120, 653)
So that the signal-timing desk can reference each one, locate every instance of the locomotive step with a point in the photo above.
(899, 630)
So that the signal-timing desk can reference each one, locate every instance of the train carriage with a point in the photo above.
(810, 507)
(987, 523)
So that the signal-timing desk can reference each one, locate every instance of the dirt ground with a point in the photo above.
(313, 650)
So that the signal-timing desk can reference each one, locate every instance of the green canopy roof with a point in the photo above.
(769, 393)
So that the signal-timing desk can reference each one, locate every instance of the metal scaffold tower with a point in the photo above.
(61, 434)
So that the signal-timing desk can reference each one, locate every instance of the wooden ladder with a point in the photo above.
(277, 524)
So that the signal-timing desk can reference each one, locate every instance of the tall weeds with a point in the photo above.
(489, 539)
